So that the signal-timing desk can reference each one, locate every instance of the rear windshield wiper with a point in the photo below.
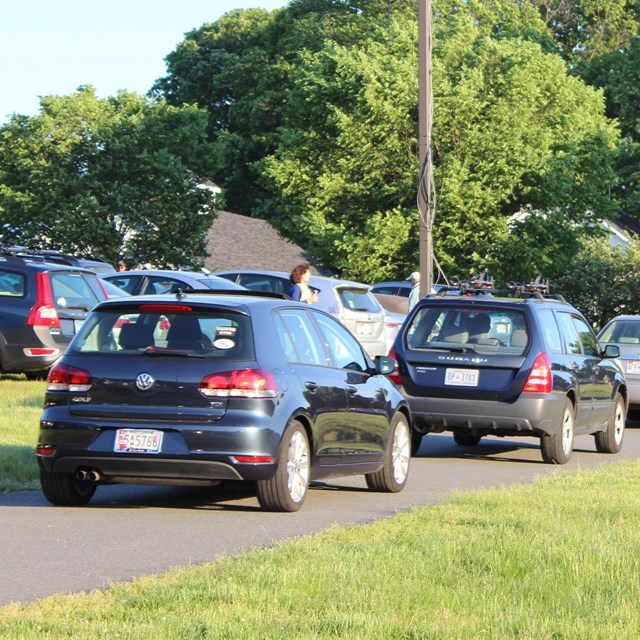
(182, 353)
(454, 349)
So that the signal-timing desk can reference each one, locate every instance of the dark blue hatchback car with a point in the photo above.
(199, 388)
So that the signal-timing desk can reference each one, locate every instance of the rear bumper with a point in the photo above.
(141, 469)
(534, 414)
(146, 469)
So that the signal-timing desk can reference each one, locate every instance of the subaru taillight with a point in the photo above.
(242, 383)
(540, 379)
(43, 313)
(395, 375)
(63, 377)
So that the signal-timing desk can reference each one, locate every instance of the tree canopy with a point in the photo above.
(308, 115)
(115, 177)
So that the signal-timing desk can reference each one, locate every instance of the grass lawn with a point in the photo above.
(20, 408)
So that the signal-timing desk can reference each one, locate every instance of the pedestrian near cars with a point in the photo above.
(299, 288)
(414, 295)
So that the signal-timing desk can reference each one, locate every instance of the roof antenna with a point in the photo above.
(180, 294)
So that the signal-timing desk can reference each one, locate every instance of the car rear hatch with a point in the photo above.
(162, 363)
(361, 313)
(74, 294)
(452, 351)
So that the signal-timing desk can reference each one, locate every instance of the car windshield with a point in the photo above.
(222, 335)
(464, 329)
(625, 331)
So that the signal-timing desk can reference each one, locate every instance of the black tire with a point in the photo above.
(393, 475)
(557, 448)
(610, 440)
(65, 490)
(416, 441)
(287, 488)
(466, 439)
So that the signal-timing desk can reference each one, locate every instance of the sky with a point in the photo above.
(51, 47)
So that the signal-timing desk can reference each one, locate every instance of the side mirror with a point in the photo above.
(611, 351)
(385, 365)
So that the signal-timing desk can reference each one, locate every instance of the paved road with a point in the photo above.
(129, 531)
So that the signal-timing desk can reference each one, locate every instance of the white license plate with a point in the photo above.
(363, 329)
(461, 377)
(633, 366)
(77, 324)
(138, 441)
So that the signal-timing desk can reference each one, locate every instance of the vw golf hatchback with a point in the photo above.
(200, 388)
(531, 366)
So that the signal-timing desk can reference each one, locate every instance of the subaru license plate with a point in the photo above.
(461, 377)
(138, 441)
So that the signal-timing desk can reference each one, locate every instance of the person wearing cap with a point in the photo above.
(414, 296)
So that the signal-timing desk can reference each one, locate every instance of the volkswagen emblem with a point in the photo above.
(144, 382)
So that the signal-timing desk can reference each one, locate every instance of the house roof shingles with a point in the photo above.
(239, 242)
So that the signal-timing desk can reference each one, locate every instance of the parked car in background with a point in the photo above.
(393, 288)
(43, 305)
(97, 265)
(201, 388)
(485, 365)
(624, 331)
(351, 302)
(149, 281)
(111, 290)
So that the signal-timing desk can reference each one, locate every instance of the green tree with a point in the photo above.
(513, 130)
(603, 281)
(111, 177)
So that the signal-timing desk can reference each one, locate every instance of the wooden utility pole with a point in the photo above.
(426, 189)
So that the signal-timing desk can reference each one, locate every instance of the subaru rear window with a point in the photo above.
(469, 330)
(223, 335)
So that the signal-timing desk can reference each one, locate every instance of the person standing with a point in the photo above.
(299, 288)
(414, 296)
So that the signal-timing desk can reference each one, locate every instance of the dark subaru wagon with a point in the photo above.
(529, 366)
(198, 388)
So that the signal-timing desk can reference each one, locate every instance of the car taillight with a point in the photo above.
(395, 376)
(540, 379)
(63, 377)
(43, 313)
(242, 383)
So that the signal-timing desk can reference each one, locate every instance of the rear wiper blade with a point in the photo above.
(159, 351)
(454, 349)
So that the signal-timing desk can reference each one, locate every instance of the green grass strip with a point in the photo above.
(20, 407)
(556, 559)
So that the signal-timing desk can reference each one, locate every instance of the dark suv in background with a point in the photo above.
(97, 265)
(529, 366)
(41, 307)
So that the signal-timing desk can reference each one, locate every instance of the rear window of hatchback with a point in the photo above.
(219, 335)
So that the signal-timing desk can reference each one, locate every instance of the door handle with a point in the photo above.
(312, 386)
(351, 390)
